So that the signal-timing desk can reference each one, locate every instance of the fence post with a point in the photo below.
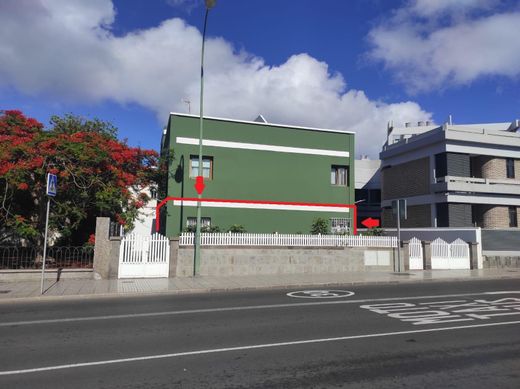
(427, 255)
(174, 252)
(106, 251)
(406, 255)
(473, 255)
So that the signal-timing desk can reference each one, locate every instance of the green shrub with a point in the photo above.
(203, 229)
(237, 229)
(320, 226)
(376, 231)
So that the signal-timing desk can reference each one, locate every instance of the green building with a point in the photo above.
(262, 172)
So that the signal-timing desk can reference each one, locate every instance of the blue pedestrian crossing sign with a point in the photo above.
(52, 184)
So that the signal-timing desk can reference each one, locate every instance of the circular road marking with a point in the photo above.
(320, 294)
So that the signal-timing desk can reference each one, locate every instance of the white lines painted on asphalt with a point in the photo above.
(239, 308)
(440, 312)
(250, 347)
(320, 294)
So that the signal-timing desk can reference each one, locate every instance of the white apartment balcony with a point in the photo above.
(477, 185)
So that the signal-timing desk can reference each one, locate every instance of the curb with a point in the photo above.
(73, 297)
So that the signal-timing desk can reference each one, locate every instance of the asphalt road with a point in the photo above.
(429, 335)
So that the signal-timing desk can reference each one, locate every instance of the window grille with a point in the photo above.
(192, 222)
(339, 225)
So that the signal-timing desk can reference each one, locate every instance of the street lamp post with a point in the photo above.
(196, 263)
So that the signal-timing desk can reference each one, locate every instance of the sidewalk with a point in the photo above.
(88, 288)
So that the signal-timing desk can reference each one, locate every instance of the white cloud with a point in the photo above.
(187, 5)
(64, 49)
(435, 8)
(435, 44)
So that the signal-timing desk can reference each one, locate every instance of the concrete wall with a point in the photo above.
(227, 261)
(50, 274)
(501, 240)
(430, 234)
(495, 261)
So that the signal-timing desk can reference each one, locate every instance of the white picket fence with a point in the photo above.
(416, 254)
(247, 239)
(144, 256)
(453, 255)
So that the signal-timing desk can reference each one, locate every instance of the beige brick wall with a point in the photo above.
(407, 179)
(491, 167)
(493, 216)
(418, 216)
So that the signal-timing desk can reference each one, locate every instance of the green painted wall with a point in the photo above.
(257, 175)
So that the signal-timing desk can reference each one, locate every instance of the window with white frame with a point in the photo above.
(207, 167)
(192, 222)
(339, 175)
(339, 225)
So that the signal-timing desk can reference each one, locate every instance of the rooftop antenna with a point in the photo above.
(188, 102)
(450, 121)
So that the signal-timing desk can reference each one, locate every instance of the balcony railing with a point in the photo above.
(478, 185)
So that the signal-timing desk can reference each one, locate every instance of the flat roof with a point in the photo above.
(263, 124)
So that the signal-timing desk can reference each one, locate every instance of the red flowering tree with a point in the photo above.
(98, 175)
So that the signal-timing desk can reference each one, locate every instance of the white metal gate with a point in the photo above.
(453, 255)
(144, 256)
(416, 254)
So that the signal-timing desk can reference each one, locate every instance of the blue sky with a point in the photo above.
(351, 65)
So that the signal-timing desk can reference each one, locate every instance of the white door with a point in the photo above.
(416, 254)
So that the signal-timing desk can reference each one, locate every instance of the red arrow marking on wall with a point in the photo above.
(369, 223)
(199, 184)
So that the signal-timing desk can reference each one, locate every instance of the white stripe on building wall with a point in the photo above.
(261, 147)
(278, 207)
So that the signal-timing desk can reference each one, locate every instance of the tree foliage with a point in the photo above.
(98, 175)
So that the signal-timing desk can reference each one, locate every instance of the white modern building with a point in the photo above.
(453, 175)
(145, 222)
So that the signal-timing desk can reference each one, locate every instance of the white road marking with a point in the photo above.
(321, 294)
(240, 308)
(250, 347)
(441, 312)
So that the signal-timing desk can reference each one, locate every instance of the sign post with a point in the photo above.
(399, 209)
(52, 186)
